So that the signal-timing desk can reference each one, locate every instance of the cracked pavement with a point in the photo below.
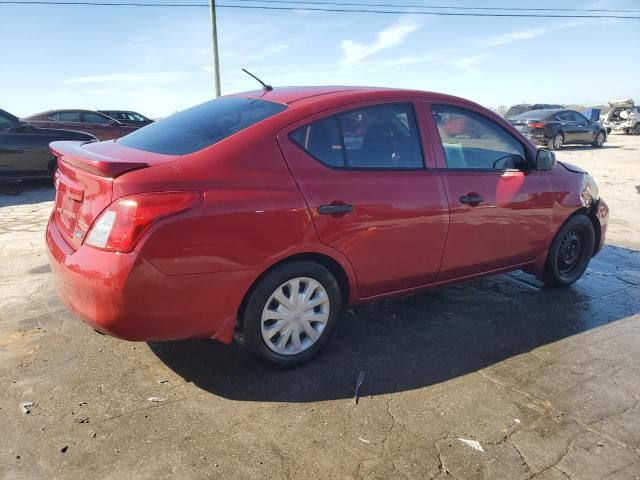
(547, 381)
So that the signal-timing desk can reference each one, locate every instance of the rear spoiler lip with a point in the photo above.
(72, 153)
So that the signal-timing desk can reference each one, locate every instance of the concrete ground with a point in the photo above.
(498, 378)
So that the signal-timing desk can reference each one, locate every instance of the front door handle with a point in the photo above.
(334, 209)
(471, 199)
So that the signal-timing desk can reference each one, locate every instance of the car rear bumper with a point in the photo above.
(125, 296)
(536, 138)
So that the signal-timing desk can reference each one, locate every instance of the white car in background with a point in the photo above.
(624, 116)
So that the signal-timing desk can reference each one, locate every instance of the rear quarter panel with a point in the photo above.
(250, 217)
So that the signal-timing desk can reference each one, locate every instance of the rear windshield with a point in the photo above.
(517, 110)
(201, 126)
(534, 115)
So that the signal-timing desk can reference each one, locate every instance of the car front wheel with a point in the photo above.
(570, 252)
(291, 313)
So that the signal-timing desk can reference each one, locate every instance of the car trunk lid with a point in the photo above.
(84, 181)
(526, 125)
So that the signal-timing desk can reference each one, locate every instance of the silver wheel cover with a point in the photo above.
(295, 316)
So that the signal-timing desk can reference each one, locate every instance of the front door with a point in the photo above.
(362, 173)
(572, 132)
(21, 151)
(585, 129)
(500, 208)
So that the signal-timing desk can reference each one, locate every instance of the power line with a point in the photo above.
(312, 9)
(442, 7)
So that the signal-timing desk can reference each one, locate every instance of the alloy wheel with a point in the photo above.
(600, 139)
(557, 141)
(295, 316)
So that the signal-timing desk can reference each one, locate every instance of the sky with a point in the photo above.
(159, 60)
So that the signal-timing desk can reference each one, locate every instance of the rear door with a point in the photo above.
(67, 120)
(500, 209)
(363, 174)
(99, 125)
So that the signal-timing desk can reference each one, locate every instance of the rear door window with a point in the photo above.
(68, 116)
(377, 137)
(89, 117)
(201, 126)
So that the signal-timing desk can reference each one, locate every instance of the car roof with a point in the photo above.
(326, 97)
(117, 111)
(542, 113)
(62, 110)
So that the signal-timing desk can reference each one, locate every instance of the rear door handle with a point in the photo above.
(471, 199)
(334, 209)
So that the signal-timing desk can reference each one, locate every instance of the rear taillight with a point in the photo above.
(535, 125)
(122, 223)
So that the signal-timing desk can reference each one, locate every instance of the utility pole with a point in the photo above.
(214, 38)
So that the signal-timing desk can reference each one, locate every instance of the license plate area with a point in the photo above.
(69, 196)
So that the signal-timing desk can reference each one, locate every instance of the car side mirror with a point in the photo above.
(545, 160)
(24, 124)
(113, 122)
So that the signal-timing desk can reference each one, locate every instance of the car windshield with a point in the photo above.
(201, 126)
(5, 121)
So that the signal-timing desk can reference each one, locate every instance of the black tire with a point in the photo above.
(556, 142)
(636, 129)
(52, 167)
(252, 315)
(598, 142)
(570, 252)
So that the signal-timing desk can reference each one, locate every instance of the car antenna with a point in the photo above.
(265, 87)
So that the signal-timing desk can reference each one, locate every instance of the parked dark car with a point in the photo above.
(95, 123)
(127, 117)
(261, 215)
(555, 128)
(521, 108)
(24, 149)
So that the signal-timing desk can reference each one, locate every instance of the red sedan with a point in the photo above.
(265, 213)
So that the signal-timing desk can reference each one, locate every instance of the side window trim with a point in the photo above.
(343, 147)
(346, 167)
(430, 105)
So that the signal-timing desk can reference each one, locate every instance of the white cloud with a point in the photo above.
(148, 78)
(528, 34)
(387, 38)
(468, 64)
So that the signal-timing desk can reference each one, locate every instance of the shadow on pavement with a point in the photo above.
(416, 341)
(26, 192)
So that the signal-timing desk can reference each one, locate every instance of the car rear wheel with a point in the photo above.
(599, 140)
(636, 129)
(556, 142)
(291, 313)
(52, 167)
(570, 252)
